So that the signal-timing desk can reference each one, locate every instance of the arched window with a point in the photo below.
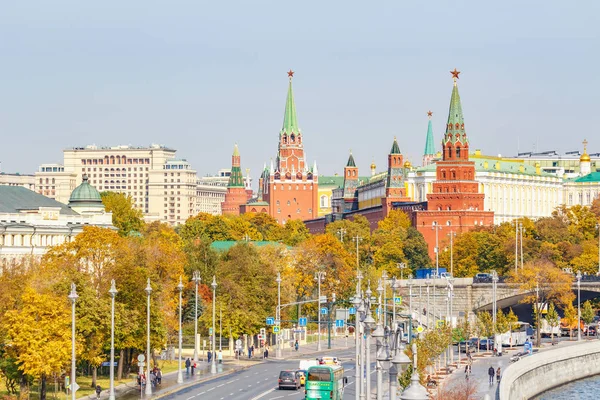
(285, 138)
(324, 202)
(443, 174)
(458, 152)
(293, 138)
(353, 173)
(453, 173)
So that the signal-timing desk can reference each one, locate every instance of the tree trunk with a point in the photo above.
(94, 376)
(23, 386)
(43, 387)
(120, 365)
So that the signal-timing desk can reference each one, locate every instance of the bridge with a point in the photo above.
(474, 295)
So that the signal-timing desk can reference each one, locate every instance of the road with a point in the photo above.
(260, 382)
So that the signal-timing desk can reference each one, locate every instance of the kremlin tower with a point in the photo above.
(429, 153)
(237, 194)
(455, 204)
(289, 186)
(395, 189)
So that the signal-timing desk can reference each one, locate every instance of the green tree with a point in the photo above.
(415, 250)
(40, 335)
(587, 314)
(484, 325)
(553, 319)
(125, 216)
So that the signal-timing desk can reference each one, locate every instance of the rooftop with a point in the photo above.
(92, 147)
(224, 245)
(16, 199)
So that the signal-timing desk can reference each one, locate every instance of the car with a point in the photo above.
(302, 377)
(329, 361)
(484, 343)
(289, 379)
(468, 345)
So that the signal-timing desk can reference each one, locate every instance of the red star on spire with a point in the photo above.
(290, 74)
(429, 113)
(455, 74)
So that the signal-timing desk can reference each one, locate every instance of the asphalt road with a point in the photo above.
(260, 382)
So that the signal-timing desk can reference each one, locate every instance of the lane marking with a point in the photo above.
(210, 389)
(222, 384)
(263, 394)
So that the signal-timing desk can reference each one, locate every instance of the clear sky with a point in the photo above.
(199, 76)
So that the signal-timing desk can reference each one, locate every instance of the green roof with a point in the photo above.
(224, 245)
(336, 181)
(395, 148)
(290, 120)
(351, 162)
(591, 177)
(14, 199)
(86, 194)
(509, 167)
(429, 143)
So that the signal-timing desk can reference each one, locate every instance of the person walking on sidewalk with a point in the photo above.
(498, 373)
(491, 374)
(266, 354)
(209, 356)
(193, 367)
(187, 366)
(220, 357)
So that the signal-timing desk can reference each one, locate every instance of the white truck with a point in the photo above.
(546, 330)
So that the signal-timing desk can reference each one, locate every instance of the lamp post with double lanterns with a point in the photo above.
(578, 306)
(415, 391)
(319, 277)
(73, 298)
(213, 365)
(369, 322)
(196, 278)
(148, 290)
(179, 374)
(113, 293)
(277, 316)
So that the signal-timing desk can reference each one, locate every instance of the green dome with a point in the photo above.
(85, 194)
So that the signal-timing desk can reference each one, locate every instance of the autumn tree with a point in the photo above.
(484, 326)
(295, 232)
(570, 319)
(587, 314)
(125, 216)
(542, 282)
(40, 335)
(553, 320)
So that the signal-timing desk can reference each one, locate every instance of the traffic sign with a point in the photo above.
(398, 300)
(238, 342)
(141, 358)
(339, 323)
(276, 329)
(74, 387)
(302, 322)
(352, 311)
(419, 329)
(270, 321)
(323, 310)
(210, 331)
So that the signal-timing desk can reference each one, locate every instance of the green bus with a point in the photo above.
(325, 382)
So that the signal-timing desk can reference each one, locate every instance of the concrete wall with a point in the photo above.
(535, 374)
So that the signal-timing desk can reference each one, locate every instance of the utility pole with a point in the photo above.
(516, 245)
(451, 234)
(341, 232)
(522, 229)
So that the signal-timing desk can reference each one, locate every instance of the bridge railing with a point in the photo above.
(503, 279)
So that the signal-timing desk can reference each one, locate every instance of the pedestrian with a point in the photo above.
(249, 352)
(187, 366)
(209, 356)
(158, 376)
(267, 352)
(252, 351)
(152, 378)
(491, 374)
(498, 373)
(467, 371)
(98, 391)
(220, 357)
(296, 345)
(193, 367)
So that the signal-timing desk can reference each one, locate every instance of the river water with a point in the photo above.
(583, 389)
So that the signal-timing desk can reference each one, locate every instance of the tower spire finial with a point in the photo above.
(290, 74)
(455, 76)
(429, 114)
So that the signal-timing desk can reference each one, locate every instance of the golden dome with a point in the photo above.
(585, 157)
(373, 166)
(407, 164)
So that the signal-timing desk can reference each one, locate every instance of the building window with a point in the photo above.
(323, 201)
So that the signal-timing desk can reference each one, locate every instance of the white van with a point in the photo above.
(304, 364)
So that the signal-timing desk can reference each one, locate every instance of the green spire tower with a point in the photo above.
(429, 152)
(236, 179)
(290, 120)
(455, 143)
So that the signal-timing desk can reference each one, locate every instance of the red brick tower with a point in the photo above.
(236, 191)
(290, 187)
(395, 189)
(455, 204)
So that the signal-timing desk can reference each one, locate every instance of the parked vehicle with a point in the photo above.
(289, 379)
(470, 345)
(485, 344)
(516, 337)
(302, 377)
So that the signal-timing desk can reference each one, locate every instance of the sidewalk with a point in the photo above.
(169, 383)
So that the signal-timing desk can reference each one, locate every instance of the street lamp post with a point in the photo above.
(357, 337)
(148, 289)
(369, 322)
(213, 365)
(278, 323)
(319, 277)
(179, 375)
(578, 305)
(428, 282)
(452, 234)
(399, 361)
(384, 278)
(410, 285)
(394, 287)
(516, 246)
(494, 293)
(73, 298)
(402, 266)
(196, 278)
(378, 335)
(436, 227)
(415, 391)
(598, 227)
(113, 293)
(522, 230)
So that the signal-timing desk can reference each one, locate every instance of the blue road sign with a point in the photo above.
(270, 321)
(302, 322)
(323, 310)
(276, 329)
(339, 323)
(398, 300)
(352, 311)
